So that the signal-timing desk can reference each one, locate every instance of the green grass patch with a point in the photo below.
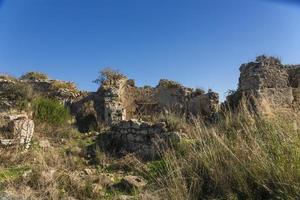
(12, 173)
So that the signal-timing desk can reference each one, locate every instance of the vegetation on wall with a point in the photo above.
(34, 76)
(108, 74)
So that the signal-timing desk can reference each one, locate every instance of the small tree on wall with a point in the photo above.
(108, 74)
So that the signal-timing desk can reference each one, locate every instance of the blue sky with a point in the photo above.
(200, 43)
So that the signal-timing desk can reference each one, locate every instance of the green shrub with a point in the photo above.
(108, 74)
(34, 76)
(11, 173)
(168, 84)
(50, 111)
(156, 169)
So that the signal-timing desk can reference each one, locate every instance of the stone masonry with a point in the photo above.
(16, 130)
(119, 99)
(124, 101)
(267, 83)
(146, 140)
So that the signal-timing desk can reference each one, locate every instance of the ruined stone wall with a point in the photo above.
(268, 82)
(265, 72)
(146, 140)
(205, 105)
(124, 101)
(88, 111)
(119, 99)
(294, 75)
(16, 129)
(172, 96)
(112, 91)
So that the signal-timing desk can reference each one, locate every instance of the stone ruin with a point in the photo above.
(119, 99)
(145, 140)
(65, 92)
(267, 83)
(118, 103)
(16, 129)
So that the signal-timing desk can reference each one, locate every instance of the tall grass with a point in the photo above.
(241, 157)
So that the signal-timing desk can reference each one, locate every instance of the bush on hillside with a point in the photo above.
(64, 85)
(34, 76)
(50, 111)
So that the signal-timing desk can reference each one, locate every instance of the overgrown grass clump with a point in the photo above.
(50, 111)
(11, 173)
(7, 77)
(21, 94)
(56, 85)
(34, 76)
(241, 157)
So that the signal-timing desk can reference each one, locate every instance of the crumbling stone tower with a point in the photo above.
(267, 82)
(112, 90)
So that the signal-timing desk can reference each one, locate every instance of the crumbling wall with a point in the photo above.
(16, 129)
(266, 82)
(88, 112)
(265, 72)
(122, 100)
(172, 96)
(205, 105)
(146, 140)
(294, 75)
(112, 91)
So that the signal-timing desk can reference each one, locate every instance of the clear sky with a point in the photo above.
(199, 43)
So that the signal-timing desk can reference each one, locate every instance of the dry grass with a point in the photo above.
(57, 85)
(54, 172)
(61, 171)
(241, 157)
